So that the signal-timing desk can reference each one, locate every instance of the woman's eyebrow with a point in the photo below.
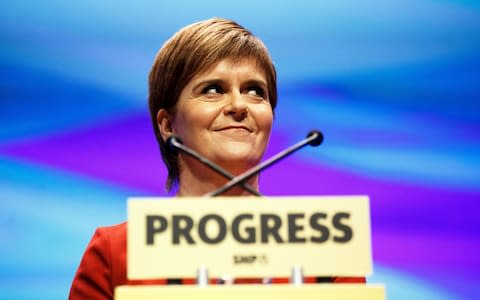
(214, 80)
(259, 82)
(208, 81)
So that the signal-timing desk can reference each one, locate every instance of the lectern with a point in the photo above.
(245, 237)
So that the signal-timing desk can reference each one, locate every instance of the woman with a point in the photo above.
(213, 84)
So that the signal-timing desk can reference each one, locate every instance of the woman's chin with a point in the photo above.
(238, 162)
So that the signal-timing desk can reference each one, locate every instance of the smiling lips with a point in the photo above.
(241, 130)
(235, 128)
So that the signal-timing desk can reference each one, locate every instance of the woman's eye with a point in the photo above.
(256, 91)
(212, 89)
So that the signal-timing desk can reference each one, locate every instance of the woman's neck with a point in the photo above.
(197, 179)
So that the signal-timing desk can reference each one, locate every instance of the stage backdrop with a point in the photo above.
(394, 85)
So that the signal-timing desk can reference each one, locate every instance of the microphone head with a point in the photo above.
(318, 137)
(172, 142)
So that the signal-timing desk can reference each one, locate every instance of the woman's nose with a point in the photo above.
(237, 106)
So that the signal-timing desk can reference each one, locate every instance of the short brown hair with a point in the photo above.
(190, 51)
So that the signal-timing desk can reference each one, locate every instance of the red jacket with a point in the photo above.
(104, 266)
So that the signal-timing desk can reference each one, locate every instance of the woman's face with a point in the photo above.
(225, 114)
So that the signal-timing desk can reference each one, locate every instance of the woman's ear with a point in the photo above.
(164, 123)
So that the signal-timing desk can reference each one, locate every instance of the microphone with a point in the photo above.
(175, 143)
(314, 138)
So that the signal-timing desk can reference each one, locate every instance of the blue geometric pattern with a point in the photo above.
(394, 86)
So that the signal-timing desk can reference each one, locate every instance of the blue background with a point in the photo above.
(394, 85)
